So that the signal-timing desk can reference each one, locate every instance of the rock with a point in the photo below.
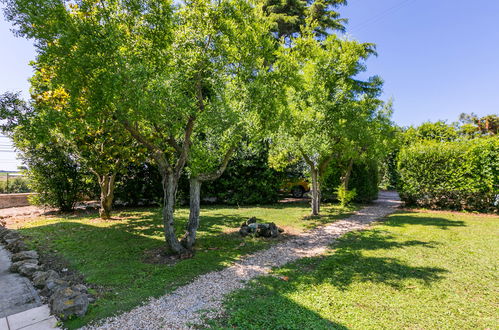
(28, 269)
(68, 302)
(40, 278)
(54, 284)
(259, 229)
(11, 236)
(81, 288)
(3, 231)
(23, 255)
(16, 246)
(16, 265)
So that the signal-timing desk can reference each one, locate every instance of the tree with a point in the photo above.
(97, 143)
(160, 68)
(291, 15)
(323, 101)
(52, 169)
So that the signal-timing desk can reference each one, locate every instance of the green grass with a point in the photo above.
(414, 271)
(110, 253)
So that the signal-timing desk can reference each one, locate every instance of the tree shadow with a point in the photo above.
(348, 263)
(403, 219)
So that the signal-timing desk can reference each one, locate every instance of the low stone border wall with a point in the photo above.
(14, 200)
(66, 299)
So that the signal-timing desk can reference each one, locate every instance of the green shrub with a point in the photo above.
(247, 180)
(141, 184)
(56, 177)
(461, 175)
(345, 196)
(364, 179)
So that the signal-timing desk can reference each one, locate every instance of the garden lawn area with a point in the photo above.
(414, 271)
(110, 254)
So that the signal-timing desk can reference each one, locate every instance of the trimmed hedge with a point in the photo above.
(462, 175)
(364, 179)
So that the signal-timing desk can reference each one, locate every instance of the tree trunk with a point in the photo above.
(106, 183)
(194, 205)
(346, 178)
(316, 198)
(170, 183)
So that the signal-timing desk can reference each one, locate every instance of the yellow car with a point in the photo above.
(296, 186)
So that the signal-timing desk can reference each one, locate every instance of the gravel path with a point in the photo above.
(183, 306)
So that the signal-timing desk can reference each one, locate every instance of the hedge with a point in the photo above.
(364, 179)
(461, 175)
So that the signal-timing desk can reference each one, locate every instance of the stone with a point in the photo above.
(28, 269)
(16, 246)
(23, 255)
(259, 229)
(54, 284)
(40, 278)
(68, 302)
(80, 287)
(11, 236)
(16, 265)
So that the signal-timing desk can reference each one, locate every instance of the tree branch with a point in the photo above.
(215, 175)
(157, 153)
(186, 145)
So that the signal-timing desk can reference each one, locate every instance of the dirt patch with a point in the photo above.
(163, 256)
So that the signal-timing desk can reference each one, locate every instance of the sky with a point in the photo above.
(438, 58)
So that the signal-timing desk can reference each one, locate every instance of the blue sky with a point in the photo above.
(438, 58)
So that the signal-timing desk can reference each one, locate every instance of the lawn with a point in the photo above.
(414, 271)
(110, 254)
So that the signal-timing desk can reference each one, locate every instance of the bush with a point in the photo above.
(364, 180)
(247, 180)
(139, 185)
(460, 175)
(16, 185)
(345, 196)
(55, 176)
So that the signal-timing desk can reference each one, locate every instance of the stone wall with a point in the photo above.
(13, 200)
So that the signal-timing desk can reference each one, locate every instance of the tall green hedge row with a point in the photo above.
(461, 175)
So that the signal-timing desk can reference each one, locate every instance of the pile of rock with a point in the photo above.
(66, 300)
(251, 226)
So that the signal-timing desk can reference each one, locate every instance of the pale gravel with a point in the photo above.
(187, 305)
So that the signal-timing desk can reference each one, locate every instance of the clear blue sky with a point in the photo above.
(438, 58)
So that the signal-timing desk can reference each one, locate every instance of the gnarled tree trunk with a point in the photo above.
(195, 198)
(170, 183)
(194, 208)
(106, 184)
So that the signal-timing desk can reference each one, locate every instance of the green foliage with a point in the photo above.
(461, 175)
(247, 180)
(53, 174)
(438, 131)
(363, 179)
(291, 15)
(16, 185)
(140, 184)
(345, 196)
(412, 271)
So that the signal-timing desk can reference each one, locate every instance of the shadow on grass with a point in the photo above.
(268, 296)
(348, 264)
(403, 219)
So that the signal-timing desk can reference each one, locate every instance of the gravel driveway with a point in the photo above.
(183, 307)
